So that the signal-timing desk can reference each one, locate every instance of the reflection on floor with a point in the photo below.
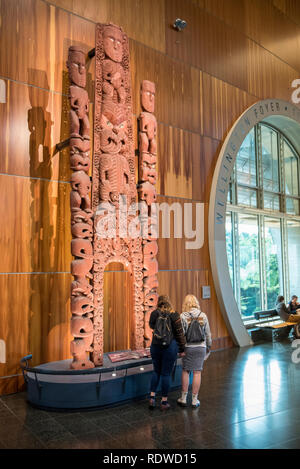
(249, 399)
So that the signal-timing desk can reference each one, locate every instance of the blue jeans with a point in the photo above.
(163, 360)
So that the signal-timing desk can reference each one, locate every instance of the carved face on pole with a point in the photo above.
(76, 66)
(113, 43)
(113, 132)
(148, 95)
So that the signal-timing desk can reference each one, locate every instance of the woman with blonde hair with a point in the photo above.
(198, 343)
(168, 339)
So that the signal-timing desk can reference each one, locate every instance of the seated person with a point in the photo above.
(294, 305)
(283, 311)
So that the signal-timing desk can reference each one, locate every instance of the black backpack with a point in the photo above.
(163, 333)
(195, 333)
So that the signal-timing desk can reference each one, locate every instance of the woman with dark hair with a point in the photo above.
(167, 340)
(284, 313)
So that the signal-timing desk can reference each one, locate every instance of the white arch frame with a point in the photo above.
(286, 117)
(2, 351)
(2, 91)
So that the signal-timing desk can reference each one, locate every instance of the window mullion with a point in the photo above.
(262, 262)
(235, 234)
(259, 175)
(285, 267)
(281, 175)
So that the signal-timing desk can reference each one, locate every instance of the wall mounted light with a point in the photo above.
(179, 24)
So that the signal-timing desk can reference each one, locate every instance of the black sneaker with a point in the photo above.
(164, 405)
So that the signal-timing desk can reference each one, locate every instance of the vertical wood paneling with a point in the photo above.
(223, 104)
(36, 234)
(179, 98)
(205, 155)
(24, 24)
(33, 120)
(173, 252)
(41, 35)
(291, 8)
(263, 67)
(263, 23)
(142, 20)
(207, 43)
(174, 162)
(22, 325)
(117, 314)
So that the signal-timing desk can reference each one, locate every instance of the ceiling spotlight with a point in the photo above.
(179, 24)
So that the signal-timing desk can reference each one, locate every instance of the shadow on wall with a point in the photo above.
(48, 199)
(41, 208)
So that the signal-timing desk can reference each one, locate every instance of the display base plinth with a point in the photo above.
(53, 386)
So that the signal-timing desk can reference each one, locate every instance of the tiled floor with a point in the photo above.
(250, 398)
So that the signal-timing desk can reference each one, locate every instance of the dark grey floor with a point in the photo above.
(250, 398)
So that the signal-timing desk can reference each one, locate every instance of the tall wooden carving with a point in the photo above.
(82, 327)
(147, 197)
(114, 185)
(107, 229)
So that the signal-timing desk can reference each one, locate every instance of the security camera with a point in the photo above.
(179, 24)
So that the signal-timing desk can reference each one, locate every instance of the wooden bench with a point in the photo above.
(270, 326)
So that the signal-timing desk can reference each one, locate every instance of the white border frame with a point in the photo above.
(258, 112)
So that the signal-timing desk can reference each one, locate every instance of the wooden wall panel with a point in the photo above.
(174, 162)
(291, 8)
(36, 234)
(34, 307)
(262, 22)
(205, 155)
(178, 99)
(41, 35)
(222, 104)
(33, 121)
(49, 307)
(263, 67)
(207, 43)
(186, 163)
(142, 20)
(173, 252)
(117, 314)
(21, 47)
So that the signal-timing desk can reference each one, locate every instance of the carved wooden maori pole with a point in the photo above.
(82, 307)
(114, 185)
(147, 196)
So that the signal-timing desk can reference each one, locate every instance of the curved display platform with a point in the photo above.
(54, 386)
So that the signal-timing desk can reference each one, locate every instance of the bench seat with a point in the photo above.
(273, 329)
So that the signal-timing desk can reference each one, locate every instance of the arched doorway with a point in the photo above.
(283, 116)
(118, 321)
